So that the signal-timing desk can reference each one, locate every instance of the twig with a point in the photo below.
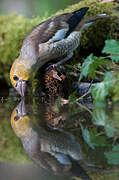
(83, 95)
(79, 104)
(99, 72)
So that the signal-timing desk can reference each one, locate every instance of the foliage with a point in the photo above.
(90, 65)
(105, 92)
(113, 156)
(106, 67)
(87, 138)
(112, 48)
(101, 90)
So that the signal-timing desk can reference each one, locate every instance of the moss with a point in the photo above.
(14, 28)
(94, 7)
(94, 36)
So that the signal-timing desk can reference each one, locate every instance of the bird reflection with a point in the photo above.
(55, 150)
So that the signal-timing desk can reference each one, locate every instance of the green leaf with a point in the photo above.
(110, 130)
(86, 65)
(109, 79)
(114, 58)
(98, 140)
(90, 64)
(87, 138)
(98, 91)
(113, 156)
(101, 90)
(116, 148)
(99, 117)
(112, 47)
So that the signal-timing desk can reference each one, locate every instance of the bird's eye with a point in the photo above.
(16, 118)
(15, 78)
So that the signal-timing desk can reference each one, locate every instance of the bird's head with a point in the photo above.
(19, 75)
(20, 121)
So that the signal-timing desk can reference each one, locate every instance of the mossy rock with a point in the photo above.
(14, 28)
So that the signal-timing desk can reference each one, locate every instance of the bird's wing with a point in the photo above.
(56, 28)
(51, 30)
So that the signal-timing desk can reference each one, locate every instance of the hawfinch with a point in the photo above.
(56, 37)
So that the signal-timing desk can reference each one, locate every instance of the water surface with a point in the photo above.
(55, 141)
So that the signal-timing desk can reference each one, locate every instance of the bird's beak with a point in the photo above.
(21, 87)
(21, 109)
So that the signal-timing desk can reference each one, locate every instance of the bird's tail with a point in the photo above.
(78, 171)
(88, 21)
(76, 18)
(80, 13)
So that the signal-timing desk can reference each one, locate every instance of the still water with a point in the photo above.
(57, 141)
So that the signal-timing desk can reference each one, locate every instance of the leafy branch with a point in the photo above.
(93, 65)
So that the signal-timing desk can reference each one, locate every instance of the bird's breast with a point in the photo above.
(48, 51)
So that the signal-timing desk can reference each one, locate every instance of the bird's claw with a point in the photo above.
(52, 66)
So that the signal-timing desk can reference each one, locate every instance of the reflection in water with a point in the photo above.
(56, 150)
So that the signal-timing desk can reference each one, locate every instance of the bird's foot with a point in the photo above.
(69, 56)
(52, 66)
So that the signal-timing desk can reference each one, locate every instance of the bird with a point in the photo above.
(55, 150)
(54, 38)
